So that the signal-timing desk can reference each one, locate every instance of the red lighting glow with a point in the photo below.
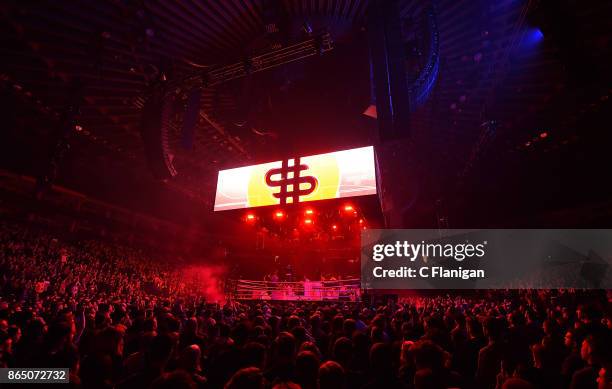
(360, 221)
(308, 221)
(250, 217)
(543, 135)
(279, 215)
(348, 208)
(309, 211)
(334, 227)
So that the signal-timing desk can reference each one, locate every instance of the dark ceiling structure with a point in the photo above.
(517, 116)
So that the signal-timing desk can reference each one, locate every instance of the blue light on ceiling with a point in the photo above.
(532, 37)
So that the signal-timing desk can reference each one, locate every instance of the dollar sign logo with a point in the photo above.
(294, 181)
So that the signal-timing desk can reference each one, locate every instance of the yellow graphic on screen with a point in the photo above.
(294, 180)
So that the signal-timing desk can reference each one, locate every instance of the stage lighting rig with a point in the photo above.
(317, 45)
(157, 106)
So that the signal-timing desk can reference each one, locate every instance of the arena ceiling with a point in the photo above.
(503, 62)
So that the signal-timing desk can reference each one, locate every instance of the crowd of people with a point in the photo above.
(119, 318)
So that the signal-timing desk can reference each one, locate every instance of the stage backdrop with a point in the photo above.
(317, 177)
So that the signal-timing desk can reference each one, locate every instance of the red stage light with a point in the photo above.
(308, 221)
(543, 135)
(250, 217)
(360, 221)
(309, 211)
(348, 208)
(279, 215)
(334, 227)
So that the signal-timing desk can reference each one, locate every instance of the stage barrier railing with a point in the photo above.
(336, 290)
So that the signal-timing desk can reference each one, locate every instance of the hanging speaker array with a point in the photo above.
(155, 129)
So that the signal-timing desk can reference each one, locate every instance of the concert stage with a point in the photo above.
(341, 290)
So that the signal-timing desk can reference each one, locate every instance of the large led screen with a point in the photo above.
(318, 177)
